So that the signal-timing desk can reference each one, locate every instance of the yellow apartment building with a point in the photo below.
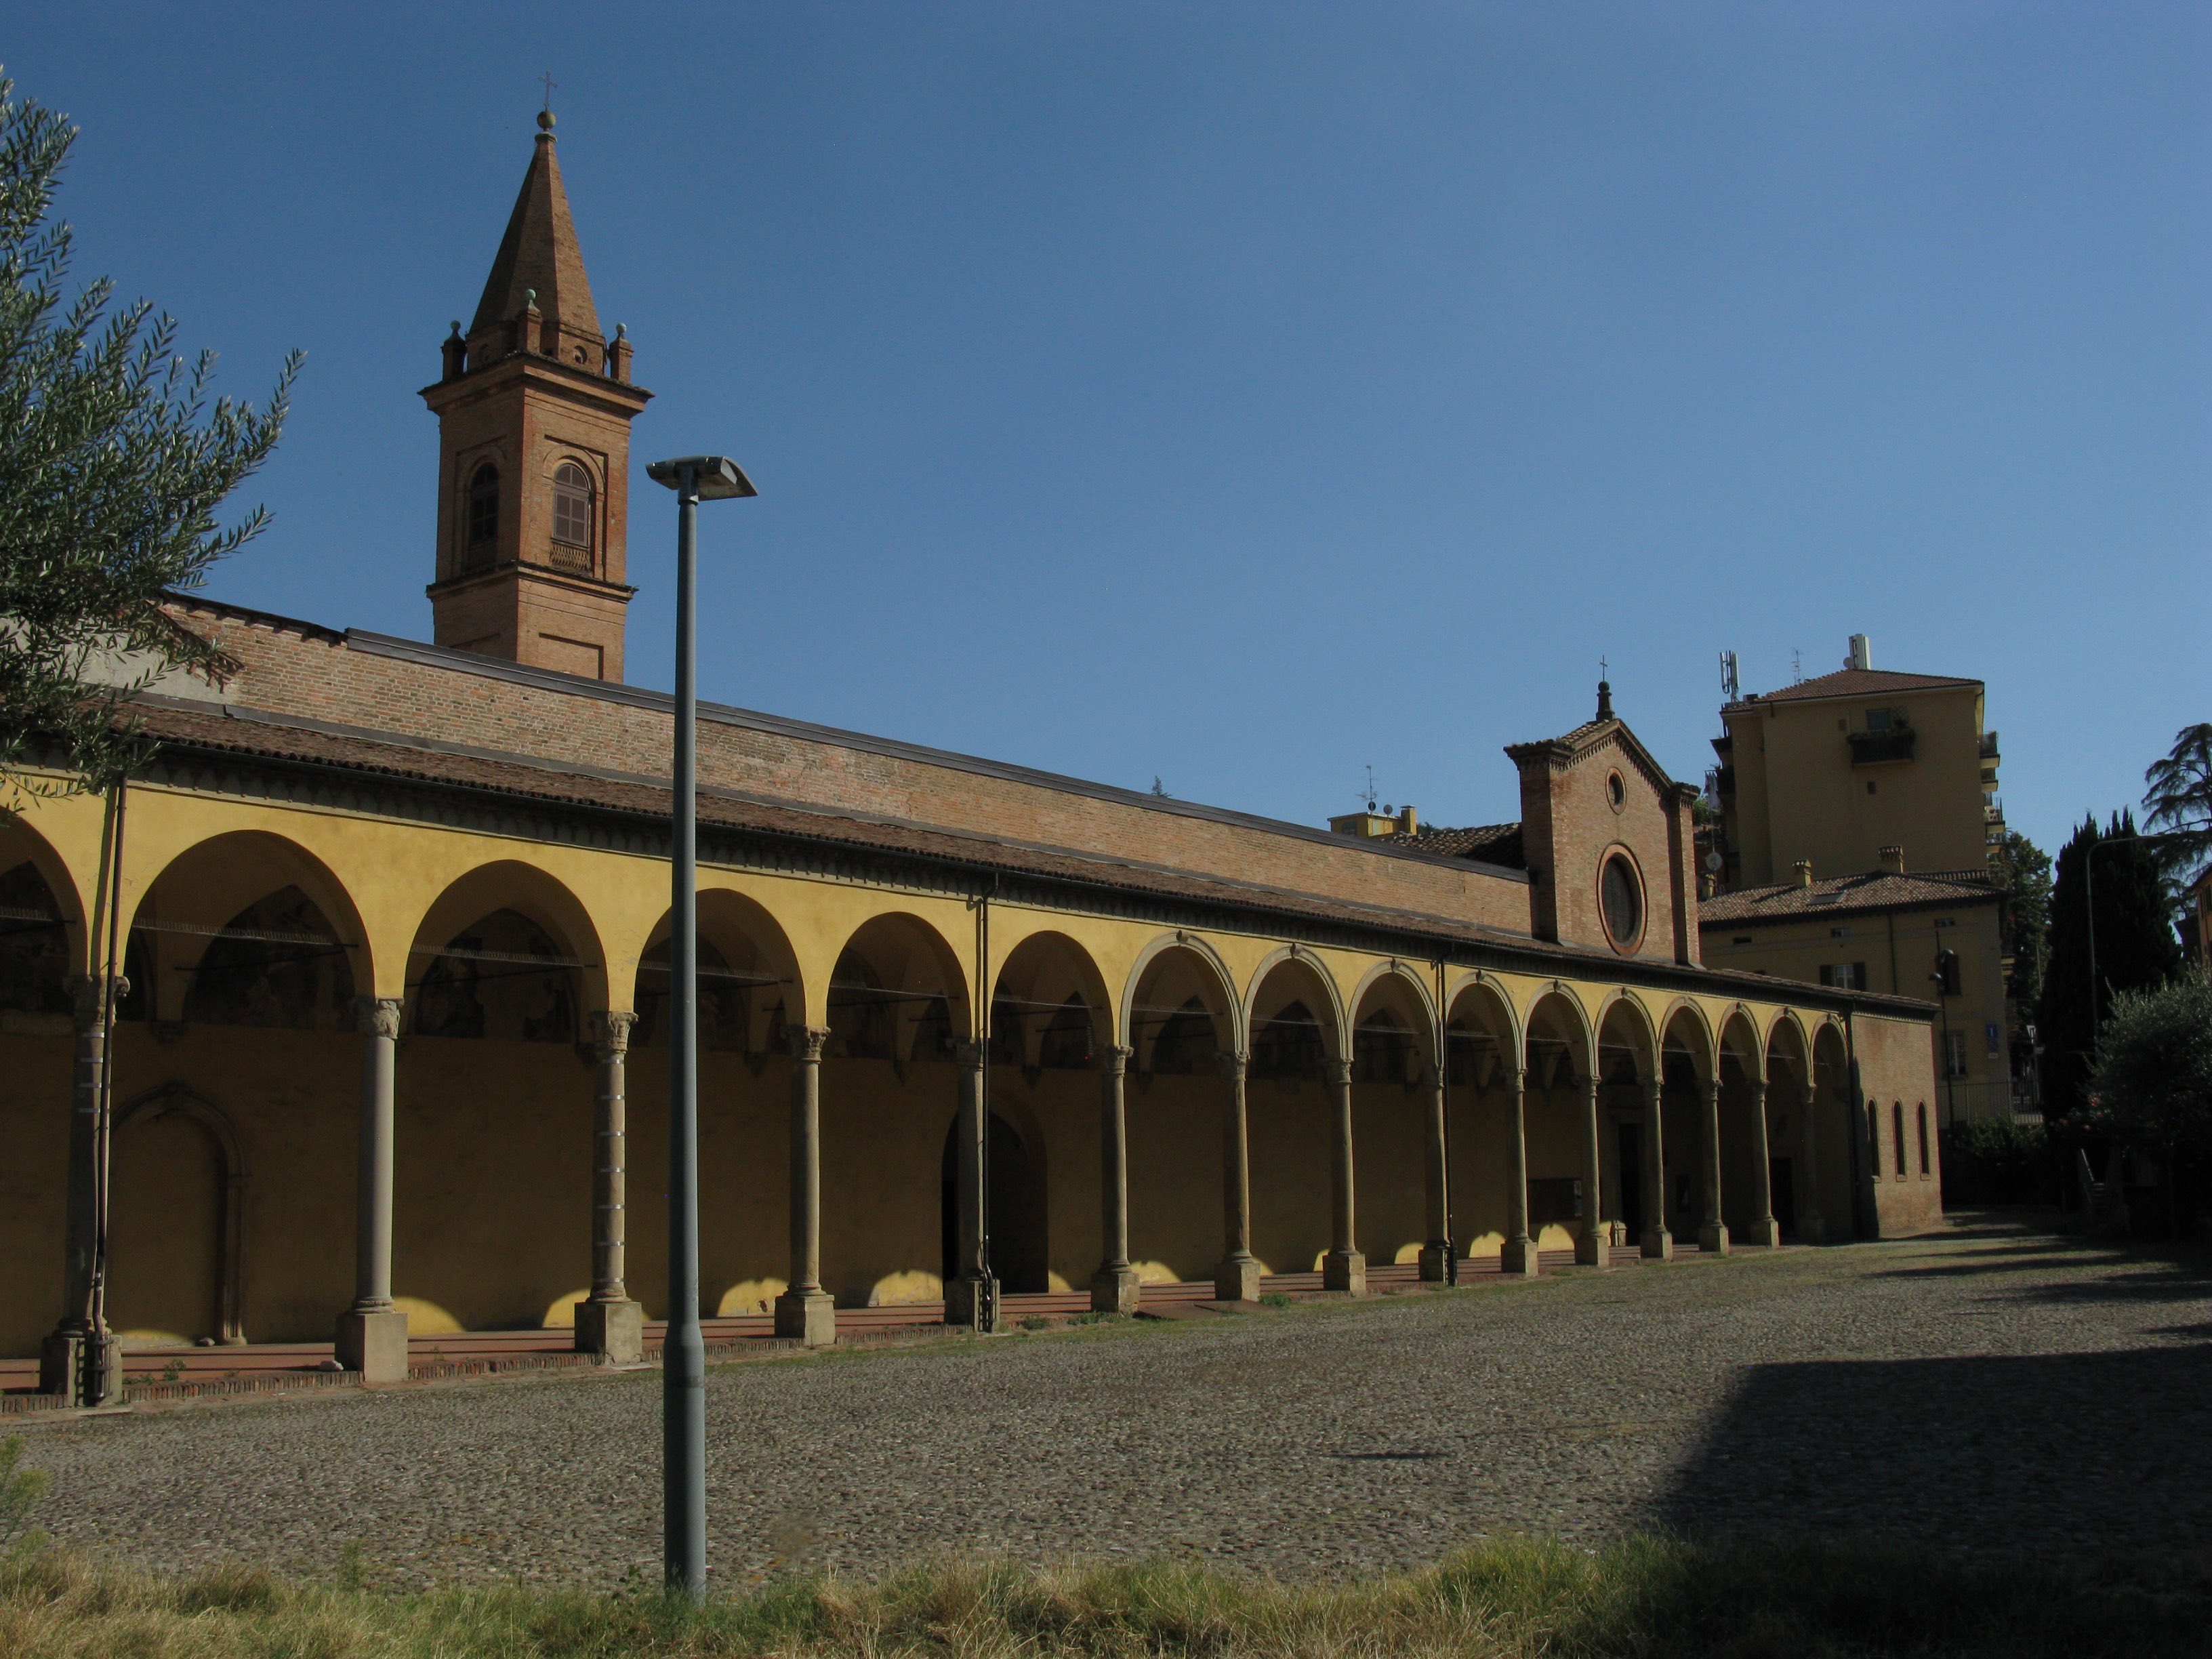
(1857, 812)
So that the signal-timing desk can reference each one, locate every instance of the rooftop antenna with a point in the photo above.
(1731, 686)
(1796, 665)
(1370, 788)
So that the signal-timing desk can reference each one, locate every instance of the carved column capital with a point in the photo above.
(1233, 1065)
(806, 1041)
(1338, 1072)
(971, 1056)
(609, 1034)
(376, 1017)
(1113, 1061)
(87, 990)
(1513, 1079)
(1654, 1087)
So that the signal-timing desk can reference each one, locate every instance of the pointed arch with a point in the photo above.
(1292, 974)
(1049, 1004)
(1558, 1024)
(1178, 957)
(1687, 1029)
(751, 988)
(1623, 1017)
(204, 893)
(20, 844)
(897, 970)
(520, 916)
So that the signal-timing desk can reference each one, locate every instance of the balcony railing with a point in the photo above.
(1870, 748)
(1988, 745)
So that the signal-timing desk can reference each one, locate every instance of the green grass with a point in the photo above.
(1653, 1599)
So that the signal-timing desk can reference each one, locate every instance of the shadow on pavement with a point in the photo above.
(1995, 1452)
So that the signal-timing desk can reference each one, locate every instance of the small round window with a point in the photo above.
(1620, 893)
(1616, 791)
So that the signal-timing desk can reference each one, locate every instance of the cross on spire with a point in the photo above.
(550, 84)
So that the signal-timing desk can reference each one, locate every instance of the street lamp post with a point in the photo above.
(693, 478)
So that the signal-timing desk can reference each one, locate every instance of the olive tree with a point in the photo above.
(113, 463)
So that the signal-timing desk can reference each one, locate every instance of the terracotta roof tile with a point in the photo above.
(1486, 843)
(1844, 894)
(1856, 682)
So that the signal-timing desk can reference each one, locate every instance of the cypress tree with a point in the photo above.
(2136, 949)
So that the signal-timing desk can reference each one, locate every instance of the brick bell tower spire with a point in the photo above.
(533, 412)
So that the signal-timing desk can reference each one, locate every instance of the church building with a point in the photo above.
(378, 1058)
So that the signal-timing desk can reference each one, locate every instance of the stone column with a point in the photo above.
(1517, 1255)
(1436, 1253)
(1812, 1225)
(372, 1335)
(607, 1322)
(77, 1360)
(971, 1299)
(1590, 1247)
(1237, 1278)
(806, 1310)
(1712, 1231)
(1344, 1268)
(1114, 1286)
(1658, 1242)
(1765, 1229)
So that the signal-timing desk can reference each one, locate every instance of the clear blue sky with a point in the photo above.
(1244, 394)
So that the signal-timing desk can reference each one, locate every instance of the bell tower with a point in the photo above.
(533, 410)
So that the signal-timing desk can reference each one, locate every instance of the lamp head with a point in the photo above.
(712, 477)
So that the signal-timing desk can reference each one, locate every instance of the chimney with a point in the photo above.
(1892, 861)
(1804, 873)
(1408, 823)
(1862, 652)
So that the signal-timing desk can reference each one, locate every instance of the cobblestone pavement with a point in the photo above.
(1992, 1387)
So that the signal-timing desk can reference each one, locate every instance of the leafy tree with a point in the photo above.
(2178, 800)
(113, 464)
(2136, 949)
(2154, 1074)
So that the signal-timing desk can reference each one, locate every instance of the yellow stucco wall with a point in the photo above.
(494, 1138)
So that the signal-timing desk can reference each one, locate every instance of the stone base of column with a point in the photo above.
(1436, 1263)
(613, 1329)
(1114, 1290)
(972, 1304)
(1237, 1279)
(1713, 1237)
(373, 1342)
(1344, 1271)
(1517, 1258)
(1812, 1228)
(1593, 1247)
(1658, 1244)
(810, 1316)
(62, 1368)
(1766, 1230)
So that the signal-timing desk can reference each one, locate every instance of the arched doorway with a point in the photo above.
(1014, 1200)
(176, 1247)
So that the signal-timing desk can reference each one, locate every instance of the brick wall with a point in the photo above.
(290, 670)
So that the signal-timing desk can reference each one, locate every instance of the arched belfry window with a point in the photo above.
(483, 516)
(572, 516)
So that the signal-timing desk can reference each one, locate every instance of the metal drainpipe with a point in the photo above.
(987, 1310)
(1444, 1106)
(96, 1350)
